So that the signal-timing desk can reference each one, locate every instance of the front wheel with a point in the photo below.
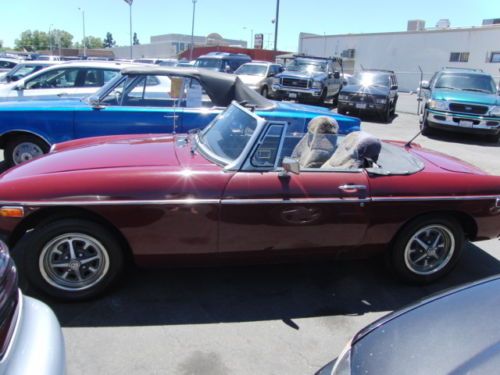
(21, 149)
(264, 92)
(71, 259)
(427, 248)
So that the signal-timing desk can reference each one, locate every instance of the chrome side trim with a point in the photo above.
(187, 201)
(294, 201)
(195, 201)
(19, 307)
(435, 198)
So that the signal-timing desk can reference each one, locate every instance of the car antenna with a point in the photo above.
(408, 144)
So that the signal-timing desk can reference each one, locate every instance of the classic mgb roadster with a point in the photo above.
(243, 188)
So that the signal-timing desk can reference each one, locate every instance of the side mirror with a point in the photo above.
(271, 74)
(336, 75)
(425, 85)
(227, 69)
(290, 165)
(20, 87)
(95, 103)
(394, 87)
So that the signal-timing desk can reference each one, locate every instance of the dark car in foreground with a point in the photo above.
(245, 188)
(462, 101)
(370, 91)
(31, 340)
(142, 99)
(455, 332)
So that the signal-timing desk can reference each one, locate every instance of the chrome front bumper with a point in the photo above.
(297, 90)
(462, 122)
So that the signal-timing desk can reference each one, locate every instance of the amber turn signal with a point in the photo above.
(9, 211)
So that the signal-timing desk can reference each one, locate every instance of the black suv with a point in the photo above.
(309, 79)
(371, 90)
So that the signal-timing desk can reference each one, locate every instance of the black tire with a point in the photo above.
(407, 252)
(264, 92)
(341, 110)
(322, 98)
(45, 244)
(33, 144)
(393, 111)
(424, 126)
(386, 115)
(494, 138)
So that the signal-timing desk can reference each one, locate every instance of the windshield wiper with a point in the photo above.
(446, 87)
(478, 90)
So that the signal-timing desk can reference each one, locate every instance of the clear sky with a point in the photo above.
(235, 19)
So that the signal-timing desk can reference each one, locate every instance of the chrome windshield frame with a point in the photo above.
(236, 164)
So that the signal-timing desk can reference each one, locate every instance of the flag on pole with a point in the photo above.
(129, 2)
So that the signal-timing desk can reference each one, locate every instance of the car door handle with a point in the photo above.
(62, 94)
(349, 188)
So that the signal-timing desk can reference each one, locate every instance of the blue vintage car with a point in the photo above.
(142, 100)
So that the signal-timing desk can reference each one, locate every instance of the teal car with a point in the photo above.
(460, 100)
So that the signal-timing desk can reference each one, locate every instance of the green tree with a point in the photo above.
(93, 42)
(136, 40)
(108, 41)
(40, 40)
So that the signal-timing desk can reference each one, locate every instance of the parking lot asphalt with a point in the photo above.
(275, 319)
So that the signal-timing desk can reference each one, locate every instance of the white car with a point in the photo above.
(7, 64)
(25, 68)
(71, 79)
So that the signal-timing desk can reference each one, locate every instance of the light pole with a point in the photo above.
(50, 38)
(129, 2)
(83, 23)
(192, 32)
(276, 24)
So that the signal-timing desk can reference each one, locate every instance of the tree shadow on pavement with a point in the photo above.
(256, 293)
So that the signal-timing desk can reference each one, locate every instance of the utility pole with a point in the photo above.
(83, 23)
(276, 24)
(192, 32)
(129, 2)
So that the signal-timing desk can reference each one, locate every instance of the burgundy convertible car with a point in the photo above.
(242, 187)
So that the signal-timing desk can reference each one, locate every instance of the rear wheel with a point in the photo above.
(427, 248)
(23, 148)
(71, 259)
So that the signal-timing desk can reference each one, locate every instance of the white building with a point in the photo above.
(403, 52)
(170, 45)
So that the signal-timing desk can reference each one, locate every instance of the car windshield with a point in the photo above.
(306, 66)
(466, 82)
(208, 63)
(21, 71)
(108, 87)
(370, 79)
(252, 70)
(228, 134)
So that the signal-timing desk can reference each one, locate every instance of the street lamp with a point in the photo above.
(83, 23)
(192, 32)
(129, 2)
(276, 25)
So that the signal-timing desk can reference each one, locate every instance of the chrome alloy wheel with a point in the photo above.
(73, 262)
(25, 151)
(429, 249)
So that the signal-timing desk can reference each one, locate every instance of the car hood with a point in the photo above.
(466, 97)
(370, 90)
(45, 104)
(292, 74)
(101, 153)
(251, 80)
